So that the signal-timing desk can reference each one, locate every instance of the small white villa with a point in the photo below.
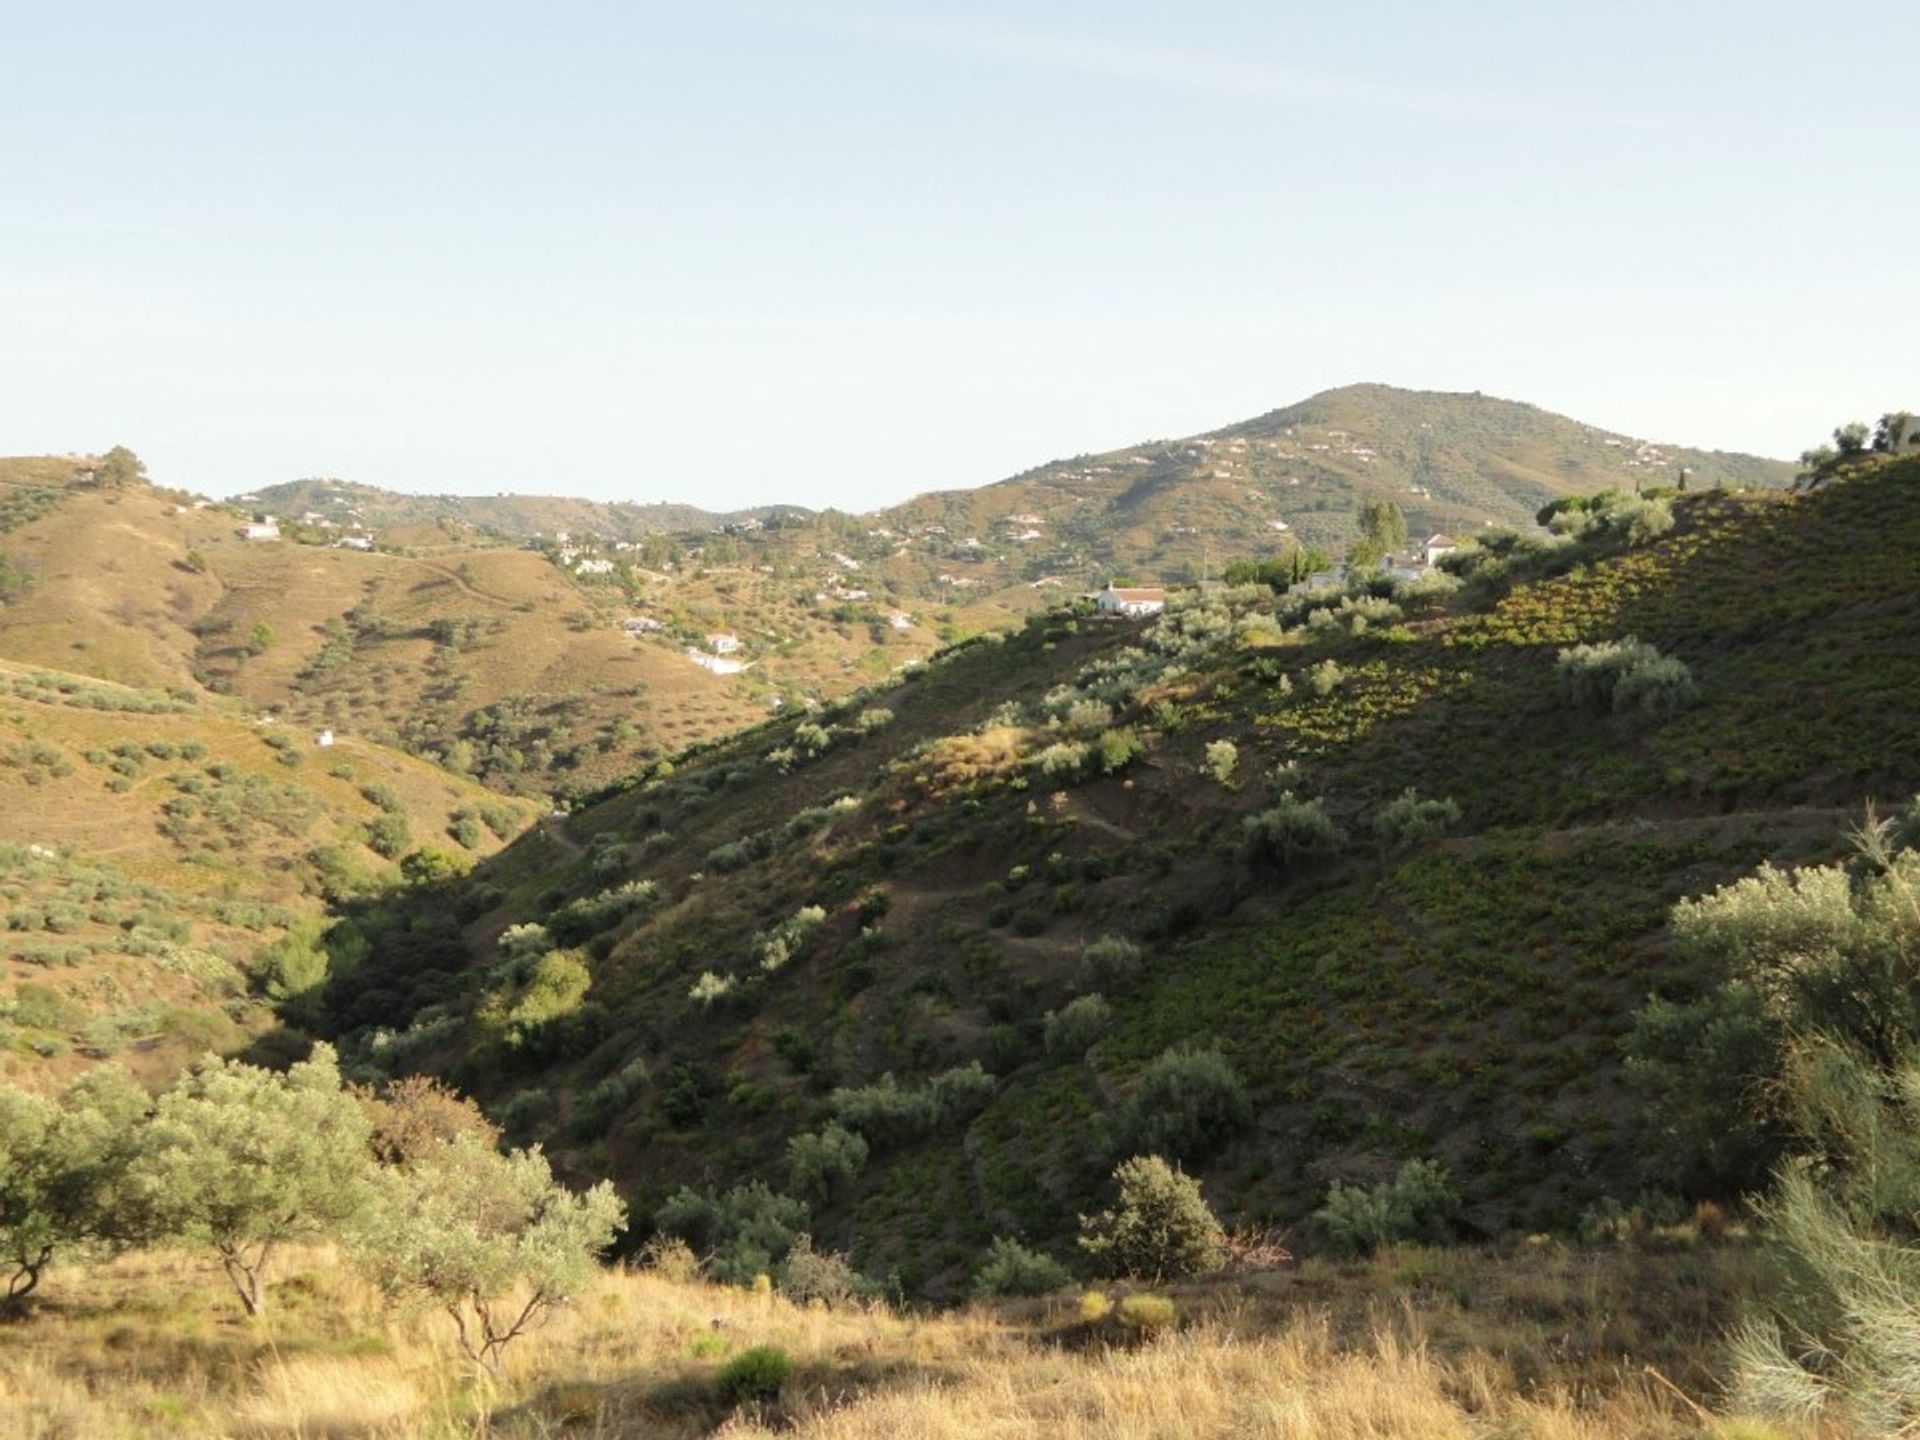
(1903, 437)
(267, 529)
(1434, 546)
(1132, 602)
(723, 643)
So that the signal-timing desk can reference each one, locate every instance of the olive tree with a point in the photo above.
(246, 1159)
(491, 1239)
(1159, 1226)
(62, 1173)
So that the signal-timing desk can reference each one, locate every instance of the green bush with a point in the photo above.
(825, 1160)
(1112, 962)
(755, 1374)
(1076, 1025)
(1408, 821)
(1011, 1269)
(1293, 832)
(1159, 1226)
(1187, 1105)
(1625, 676)
(1418, 1205)
(741, 1234)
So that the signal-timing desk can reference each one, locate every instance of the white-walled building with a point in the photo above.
(1131, 601)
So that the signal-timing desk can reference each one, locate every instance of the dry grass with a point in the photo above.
(150, 1346)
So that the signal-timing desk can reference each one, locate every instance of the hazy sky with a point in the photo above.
(831, 251)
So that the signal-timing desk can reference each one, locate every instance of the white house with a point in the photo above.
(899, 620)
(268, 529)
(324, 739)
(353, 542)
(718, 664)
(1133, 602)
(723, 644)
(1903, 436)
(1434, 546)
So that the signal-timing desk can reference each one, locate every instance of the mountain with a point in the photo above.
(840, 914)
(1455, 463)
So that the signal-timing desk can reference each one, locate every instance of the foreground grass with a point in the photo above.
(1548, 1344)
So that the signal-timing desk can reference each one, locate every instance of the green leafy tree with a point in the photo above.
(493, 1240)
(246, 1160)
(1383, 527)
(1187, 1105)
(1159, 1226)
(825, 1160)
(62, 1173)
(120, 467)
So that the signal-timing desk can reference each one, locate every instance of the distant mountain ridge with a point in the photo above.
(1450, 460)
(510, 516)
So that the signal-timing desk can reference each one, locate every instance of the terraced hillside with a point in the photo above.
(841, 915)
(157, 850)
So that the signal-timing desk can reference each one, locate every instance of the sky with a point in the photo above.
(735, 252)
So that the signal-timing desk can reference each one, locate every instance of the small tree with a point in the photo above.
(62, 1172)
(1076, 1025)
(1159, 1226)
(825, 1160)
(492, 1239)
(245, 1159)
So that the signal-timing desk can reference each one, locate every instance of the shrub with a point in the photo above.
(740, 1234)
(825, 1160)
(755, 1374)
(1325, 678)
(1076, 1025)
(1418, 1205)
(1222, 757)
(1293, 832)
(388, 836)
(1625, 676)
(710, 988)
(1159, 1226)
(1146, 1314)
(1112, 962)
(822, 1275)
(1065, 759)
(1117, 749)
(671, 1258)
(1011, 1269)
(1409, 821)
(1187, 1105)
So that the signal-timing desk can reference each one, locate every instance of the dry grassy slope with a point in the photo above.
(133, 929)
(113, 594)
(1538, 1343)
(1465, 1001)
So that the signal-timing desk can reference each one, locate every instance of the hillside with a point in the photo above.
(504, 663)
(515, 518)
(1164, 510)
(969, 833)
(154, 847)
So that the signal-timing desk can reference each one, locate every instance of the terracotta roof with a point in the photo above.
(1149, 593)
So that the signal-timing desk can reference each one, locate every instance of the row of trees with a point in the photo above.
(245, 1161)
